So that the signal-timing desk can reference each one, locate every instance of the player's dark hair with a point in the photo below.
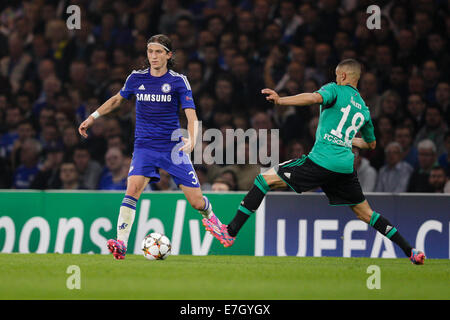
(166, 42)
(351, 63)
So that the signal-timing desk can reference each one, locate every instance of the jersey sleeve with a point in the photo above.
(368, 132)
(185, 92)
(328, 93)
(127, 90)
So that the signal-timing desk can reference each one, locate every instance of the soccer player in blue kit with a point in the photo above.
(159, 93)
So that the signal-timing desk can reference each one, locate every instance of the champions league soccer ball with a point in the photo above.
(156, 246)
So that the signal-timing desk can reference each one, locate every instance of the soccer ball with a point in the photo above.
(156, 246)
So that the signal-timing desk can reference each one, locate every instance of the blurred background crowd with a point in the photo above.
(52, 78)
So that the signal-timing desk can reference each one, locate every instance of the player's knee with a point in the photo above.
(197, 203)
(272, 179)
(362, 213)
(133, 190)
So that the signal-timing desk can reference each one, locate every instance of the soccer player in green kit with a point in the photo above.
(329, 165)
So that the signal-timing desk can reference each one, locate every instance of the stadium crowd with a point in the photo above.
(52, 78)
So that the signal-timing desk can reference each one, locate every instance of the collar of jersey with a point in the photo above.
(150, 74)
(352, 87)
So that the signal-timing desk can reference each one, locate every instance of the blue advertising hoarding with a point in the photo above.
(305, 225)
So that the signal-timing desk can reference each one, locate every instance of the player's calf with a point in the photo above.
(385, 227)
(251, 202)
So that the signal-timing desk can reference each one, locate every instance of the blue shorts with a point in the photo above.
(147, 162)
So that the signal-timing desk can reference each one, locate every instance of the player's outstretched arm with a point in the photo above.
(109, 105)
(360, 143)
(192, 127)
(302, 99)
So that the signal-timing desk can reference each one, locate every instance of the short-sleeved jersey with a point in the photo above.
(158, 101)
(342, 114)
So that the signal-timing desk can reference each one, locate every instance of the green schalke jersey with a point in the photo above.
(342, 114)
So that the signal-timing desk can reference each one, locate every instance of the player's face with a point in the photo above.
(157, 56)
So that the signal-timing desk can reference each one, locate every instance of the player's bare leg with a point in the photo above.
(201, 203)
(226, 234)
(365, 213)
(198, 201)
(135, 187)
(195, 197)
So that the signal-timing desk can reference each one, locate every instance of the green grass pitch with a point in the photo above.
(44, 276)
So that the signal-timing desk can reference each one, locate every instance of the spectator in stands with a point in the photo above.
(275, 65)
(14, 65)
(287, 120)
(51, 87)
(247, 171)
(69, 176)
(195, 77)
(437, 50)
(220, 185)
(431, 76)
(88, 170)
(444, 158)
(433, 129)
(12, 119)
(25, 131)
(295, 149)
(394, 176)
(416, 110)
(24, 101)
(369, 92)
(96, 141)
(443, 99)
(172, 12)
(397, 81)
(116, 141)
(248, 83)
(49, 135)
(438, 179)
(46, 116)
(186, 31)
(70, 138)
(311, 130)
(416, 85)
(28, 168)
(384, 131)
(63, 121)
(262, 13)
(165, 182)
(45, 69)
(289, 20)
(390, 106)
(202, 176)
(367, 175)
(48, 176)
(419, 180)
(114, 176)
(231, 177)
(404, 136)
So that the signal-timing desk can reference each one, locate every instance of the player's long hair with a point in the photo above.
(166, 42)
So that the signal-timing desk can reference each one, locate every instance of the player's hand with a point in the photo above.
(85, 125)
(272, 96)
(188, 146)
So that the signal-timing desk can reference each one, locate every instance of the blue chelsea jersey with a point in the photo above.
(158, 100)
